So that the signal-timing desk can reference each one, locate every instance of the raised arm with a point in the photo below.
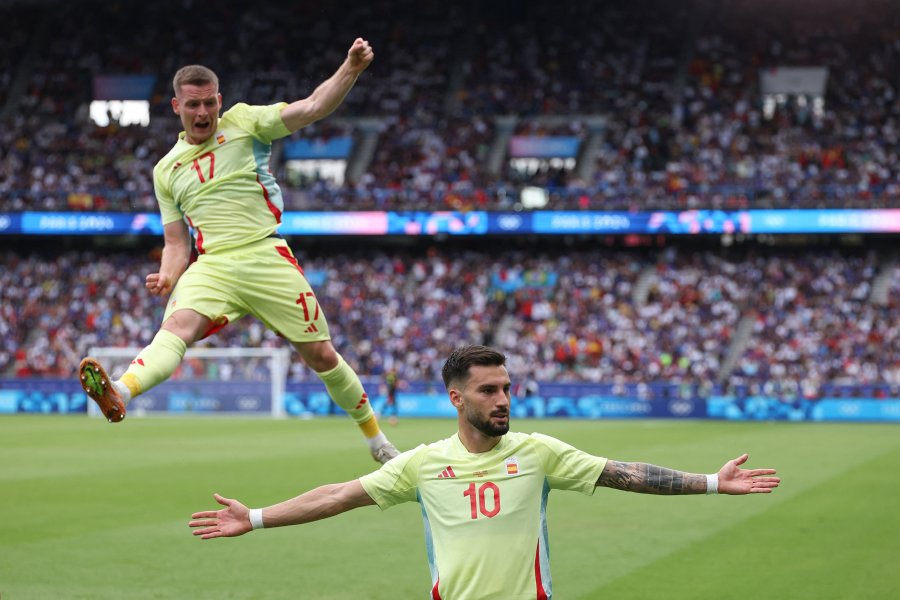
(320, 503)
(331, 92)
(651, 479)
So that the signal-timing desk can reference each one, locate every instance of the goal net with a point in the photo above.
(209, 381)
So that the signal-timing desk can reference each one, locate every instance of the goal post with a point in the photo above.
(209, 381)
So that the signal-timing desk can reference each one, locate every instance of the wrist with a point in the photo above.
(256, 518)
(712, 483)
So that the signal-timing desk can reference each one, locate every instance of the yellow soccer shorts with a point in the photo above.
(262, 279)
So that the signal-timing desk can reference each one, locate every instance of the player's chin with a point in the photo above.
(500, 424)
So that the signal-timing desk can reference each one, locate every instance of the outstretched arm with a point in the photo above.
(651, 479)
(320, 503)
(331, 92)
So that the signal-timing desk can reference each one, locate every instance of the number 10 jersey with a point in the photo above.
(485, 514)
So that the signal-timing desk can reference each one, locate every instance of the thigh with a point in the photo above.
(276, 292)
(208, 287)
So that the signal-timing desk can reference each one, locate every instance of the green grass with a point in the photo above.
(98, 511)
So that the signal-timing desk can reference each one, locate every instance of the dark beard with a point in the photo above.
(487, 428)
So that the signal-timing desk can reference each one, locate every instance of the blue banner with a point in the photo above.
(416, 223)
(556, 222)
(428, 399)
(10, 223)
(528, 146)
(318, 149)
(123, 87)
(90, 223)
(760, 408)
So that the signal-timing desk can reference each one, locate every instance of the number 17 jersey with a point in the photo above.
(485, 514)
(224, 186)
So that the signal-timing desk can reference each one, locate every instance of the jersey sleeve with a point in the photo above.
(262, 122)
(168, 210)
(397, 481)
(567, 467)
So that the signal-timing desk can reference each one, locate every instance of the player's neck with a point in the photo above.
(477, 442)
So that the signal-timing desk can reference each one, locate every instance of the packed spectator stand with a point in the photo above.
(792, 322)
(663, 97)
(666, 98)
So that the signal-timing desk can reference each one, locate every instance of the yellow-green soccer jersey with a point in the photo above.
(224, 186)
(485, 514)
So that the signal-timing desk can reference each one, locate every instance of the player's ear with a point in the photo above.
(456, 397)
(175, 106)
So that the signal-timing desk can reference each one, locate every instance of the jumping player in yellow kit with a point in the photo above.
(216, 181)
(483, 491)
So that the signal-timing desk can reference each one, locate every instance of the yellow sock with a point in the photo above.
(347, 391)
(155, 363)
(370, 428)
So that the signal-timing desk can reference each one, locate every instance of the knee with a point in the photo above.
(319, 356)
(190, 326)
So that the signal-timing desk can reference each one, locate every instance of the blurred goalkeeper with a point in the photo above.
(483, 491)
(216, 180)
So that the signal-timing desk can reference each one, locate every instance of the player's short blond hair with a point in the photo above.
(194, 75)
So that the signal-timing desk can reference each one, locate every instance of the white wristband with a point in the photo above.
(712, 484)
(256, 518)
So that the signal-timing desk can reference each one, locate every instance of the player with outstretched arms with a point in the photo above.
(483, 491)
(216, 180)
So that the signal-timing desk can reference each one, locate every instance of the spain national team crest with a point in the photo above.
(512, 466)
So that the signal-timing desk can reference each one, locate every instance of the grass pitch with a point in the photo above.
(98, 511)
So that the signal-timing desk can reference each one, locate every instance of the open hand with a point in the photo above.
(231, 521)
(734, 480)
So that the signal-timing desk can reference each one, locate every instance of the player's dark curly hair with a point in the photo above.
(456, 368)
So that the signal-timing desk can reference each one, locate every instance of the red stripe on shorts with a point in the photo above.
(215, 326)
(286, 253)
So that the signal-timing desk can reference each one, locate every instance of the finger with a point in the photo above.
(765, 484)
(767, 481)
(222, 500)
(206, 514)
(741, 459)
(203, 523)
(206, 532)
(758, 472)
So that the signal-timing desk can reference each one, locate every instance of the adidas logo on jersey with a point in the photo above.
(447, 474)
(312, 329)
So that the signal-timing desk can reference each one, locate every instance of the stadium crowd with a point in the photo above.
(675, 86)
(663, 99)
(561, 315)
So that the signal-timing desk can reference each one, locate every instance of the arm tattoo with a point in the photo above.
(650, 479)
